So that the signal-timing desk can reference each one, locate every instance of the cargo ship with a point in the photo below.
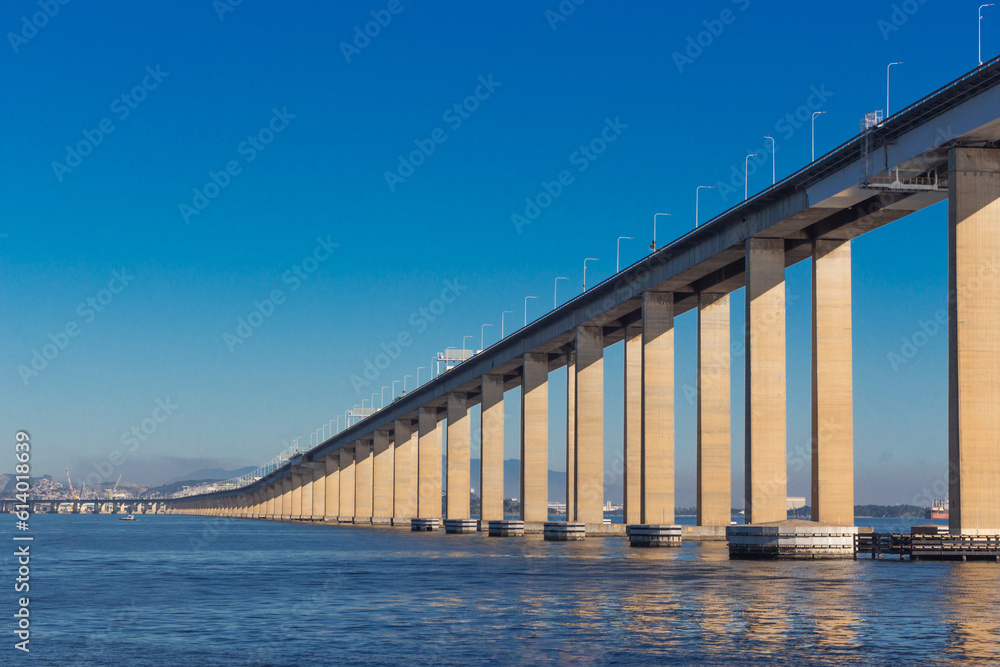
(938, 510)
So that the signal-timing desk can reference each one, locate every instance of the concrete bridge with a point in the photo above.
(77, 506)
(388, 468)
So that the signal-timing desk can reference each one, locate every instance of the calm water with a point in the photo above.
(179, 590)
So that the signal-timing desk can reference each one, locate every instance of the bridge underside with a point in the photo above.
(942, 148)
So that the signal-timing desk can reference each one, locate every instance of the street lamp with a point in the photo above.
(383, 396)
(815, 113)
(774, 147)
(404, 382)
(420, 368)
(887, 86)
(555, 292)
(501, 322)
(652, 246)
(464, 348)
(373, 403)
(589, 259)
(526, 308)
(338, 424)
(618, 253)
(394, 389)
(697, 192)
(482, 334)
(746, 175)
(981, 32)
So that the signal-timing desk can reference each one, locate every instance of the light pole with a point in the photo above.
(373, 403)
(887, 86)
(501, 322)
(589, 259)
(347, 418)
(383, 396)
(338, 424)
(394, 389)
(363, 407)
(482, 334)
(555, 292)
(618, 253)
(464, 348)
(815, 113)
(420, 368)
(774, 147)
(746, 175)
(697, 192)
(404, 382)
(652, 246)
(981, 32)
(526, 308)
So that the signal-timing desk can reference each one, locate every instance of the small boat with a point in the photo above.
(126, 518)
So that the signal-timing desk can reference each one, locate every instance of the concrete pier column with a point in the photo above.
(765, 440)
(832, 385)
(428, 464)
(535, 437)
(714, 440)
(347, 479)
(571, 435)
(318, 512)
(306, 502)
(459, 457)
(404, 497)
(296, 512)
(364, 471)
(658, 408)
(589, 471)
(286, 497)
(491, 457)
(331, 510)
(974, 341)
(632, 441)
(383, 477)
(269, 502)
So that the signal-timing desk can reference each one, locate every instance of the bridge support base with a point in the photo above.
(791, 540)
(646, 535)
(424, 525)
(563, 531)
(513, 528)
(461, 526)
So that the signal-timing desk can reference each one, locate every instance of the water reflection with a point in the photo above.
(973, 611)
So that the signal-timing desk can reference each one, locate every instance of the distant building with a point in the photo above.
(794, 503)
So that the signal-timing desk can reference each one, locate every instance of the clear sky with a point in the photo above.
(170, 165)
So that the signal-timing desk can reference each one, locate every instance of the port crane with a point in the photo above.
(111, 493)
(72, 492)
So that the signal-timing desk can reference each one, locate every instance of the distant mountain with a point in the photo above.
(211, 474)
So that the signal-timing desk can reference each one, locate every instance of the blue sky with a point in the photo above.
(281, 138)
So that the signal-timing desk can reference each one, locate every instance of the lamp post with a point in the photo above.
(526, 308)
(981, 32)
(339, 429)
(697, 192)
(464, 348)
(555, 292)
(420, 368)
(618, 253)
(394, 389)
(589, 259)
(373, 403)
(815, 113)
(746, 175)
(502, 336)
(652, 246)
(774, 147)
(404, 382)
(887, 86)
(383, 396)
(482, 334)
